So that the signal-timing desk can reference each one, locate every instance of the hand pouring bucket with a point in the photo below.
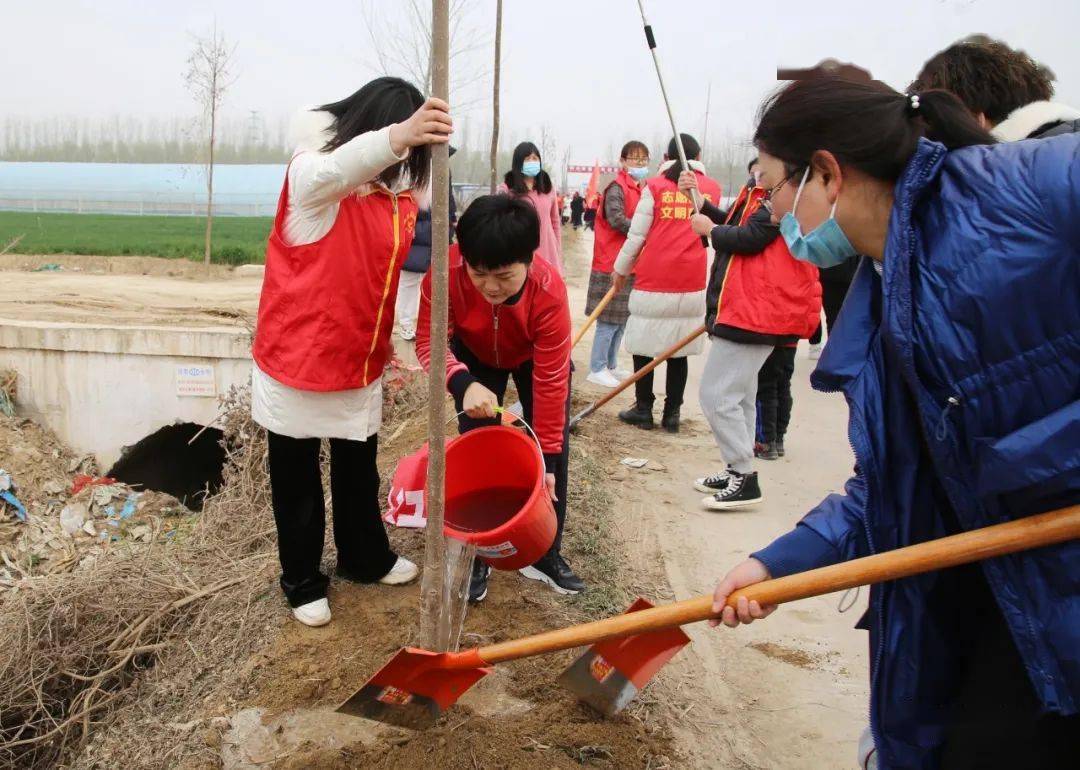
(496, 498)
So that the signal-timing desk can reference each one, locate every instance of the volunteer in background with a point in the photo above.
(668, 299)
(344, 222)
(957, 353)
(527, 179)
(613, 217)
(509, 318)
(759, 298)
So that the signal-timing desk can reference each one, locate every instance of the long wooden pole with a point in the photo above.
(638, 375)
(495, 100)
(603, 303)
(433, 586)
(975, 545)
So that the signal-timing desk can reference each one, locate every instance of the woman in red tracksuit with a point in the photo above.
(509, 317)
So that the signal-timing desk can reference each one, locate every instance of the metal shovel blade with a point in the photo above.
(610, 673)
(412, 689)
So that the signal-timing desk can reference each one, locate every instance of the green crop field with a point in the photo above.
(236, 240)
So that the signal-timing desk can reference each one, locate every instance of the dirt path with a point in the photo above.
(789, 692)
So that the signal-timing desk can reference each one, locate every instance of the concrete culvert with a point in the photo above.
(164, 462)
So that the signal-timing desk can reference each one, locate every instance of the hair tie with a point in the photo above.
(913, 105)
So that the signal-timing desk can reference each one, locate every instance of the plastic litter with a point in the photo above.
(73, 518)
(7, 494)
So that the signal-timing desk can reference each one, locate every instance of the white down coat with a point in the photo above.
(658, 319)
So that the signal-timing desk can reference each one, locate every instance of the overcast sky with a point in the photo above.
(579, 66)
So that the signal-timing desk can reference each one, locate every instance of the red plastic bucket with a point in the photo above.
(495, 496)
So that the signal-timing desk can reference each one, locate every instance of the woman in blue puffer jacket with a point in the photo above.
(958, 350)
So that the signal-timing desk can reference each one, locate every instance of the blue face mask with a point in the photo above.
(638, 173)
(825, 245)
(530, 167)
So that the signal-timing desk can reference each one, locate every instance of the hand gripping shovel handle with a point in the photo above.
(1019, 535)
(637, 375)
(593, 316)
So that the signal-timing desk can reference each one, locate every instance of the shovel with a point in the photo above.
(637, 375)
(603, 303)
(416, 685)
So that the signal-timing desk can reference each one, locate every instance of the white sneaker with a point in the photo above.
(403, 571)
(407, 334)
(315, 614)
(621, 374)
(815, 352)
(603, 378)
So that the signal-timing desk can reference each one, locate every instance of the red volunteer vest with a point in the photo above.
(673, 259)
(608, 240)
(327, 308)
(771, 292)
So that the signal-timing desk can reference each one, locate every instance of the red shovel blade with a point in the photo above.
(413, 688)
(613, 671)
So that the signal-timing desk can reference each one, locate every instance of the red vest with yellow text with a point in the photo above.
(327, 308)
(608, 240)
(673, 259)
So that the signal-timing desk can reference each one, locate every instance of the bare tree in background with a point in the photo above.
(403, 48)
(208, 76)
(495, 98)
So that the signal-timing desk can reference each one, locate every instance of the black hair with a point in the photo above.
(632, 146)
(515, 180)
(751, 164)
(497, 231)
(988, 76)
(693, 150)
(865, 124)
(382, 102)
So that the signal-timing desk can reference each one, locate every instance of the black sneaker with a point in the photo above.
(767, 451)
(712, 484)
(639, 415)
(554, 571)
(742, 489)
(478, 583)
(779, 447)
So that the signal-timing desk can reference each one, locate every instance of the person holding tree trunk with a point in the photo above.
(344, 223)
(509, 318)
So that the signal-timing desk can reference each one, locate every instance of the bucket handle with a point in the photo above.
(502, 412)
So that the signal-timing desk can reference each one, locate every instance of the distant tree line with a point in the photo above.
(131, 139)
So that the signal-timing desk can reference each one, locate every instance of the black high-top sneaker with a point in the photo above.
(742, 490)
(717, 482)
(478, 583)
(553, 570)
(639, 415)
(670, 420)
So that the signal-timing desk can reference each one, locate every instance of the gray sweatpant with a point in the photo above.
(728, 397)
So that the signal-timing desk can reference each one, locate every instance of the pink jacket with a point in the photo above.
(547, 209)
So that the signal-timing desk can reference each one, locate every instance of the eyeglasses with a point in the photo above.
(766, 200)
(637, 161)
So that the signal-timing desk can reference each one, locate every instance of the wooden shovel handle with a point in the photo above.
(1019, 535)
(593, 316)
(640, 373)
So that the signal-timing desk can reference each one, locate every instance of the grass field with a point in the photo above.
(236, 240)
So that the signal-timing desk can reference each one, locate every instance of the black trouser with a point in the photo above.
(496, 381)
(774, 393)
(678, 369)
(832, 299)
(994, 718)
(363, 550)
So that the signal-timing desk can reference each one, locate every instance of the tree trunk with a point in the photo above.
(435, 615)
(210, 171)
(495, 99)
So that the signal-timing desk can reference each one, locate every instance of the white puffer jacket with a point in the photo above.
(658, 319)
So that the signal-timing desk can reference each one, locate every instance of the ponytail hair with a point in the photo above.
(865, 124)
(693, 150)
